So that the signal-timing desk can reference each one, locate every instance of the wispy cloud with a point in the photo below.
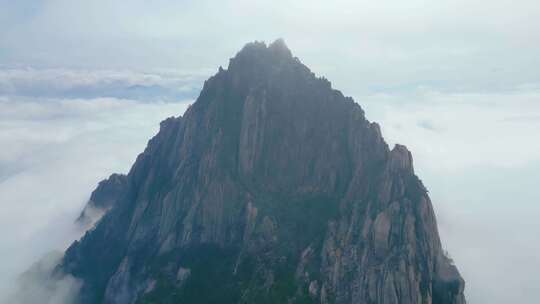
(45, 83)
(428, 125)
(472, 129)
(522, 119)
(42, 283)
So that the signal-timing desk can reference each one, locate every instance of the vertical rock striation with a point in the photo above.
(272, 188)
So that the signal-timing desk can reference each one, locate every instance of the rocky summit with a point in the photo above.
(273, 187)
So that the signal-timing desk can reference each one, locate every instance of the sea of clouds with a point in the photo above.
(54, 152)
(477, 153)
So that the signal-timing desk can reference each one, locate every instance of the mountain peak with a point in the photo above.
(271, 188)
(257, 53)
(279, 47)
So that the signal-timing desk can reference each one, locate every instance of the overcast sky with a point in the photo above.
(83, 85)
(361, 45)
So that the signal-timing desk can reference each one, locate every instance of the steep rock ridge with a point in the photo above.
(102, 199)
(272, 188)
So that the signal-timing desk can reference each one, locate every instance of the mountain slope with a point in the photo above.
(272, 188)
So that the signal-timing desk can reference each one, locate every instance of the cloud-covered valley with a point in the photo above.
(53, 154)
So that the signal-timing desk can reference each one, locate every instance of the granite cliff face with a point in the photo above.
(272, 188)
(103, 199)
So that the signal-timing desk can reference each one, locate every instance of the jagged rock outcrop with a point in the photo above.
(272, 188)
(102, 199)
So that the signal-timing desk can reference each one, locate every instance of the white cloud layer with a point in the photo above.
(459, 131)
(479, 156)
(41, 284)
(53, 154)
(160, 85)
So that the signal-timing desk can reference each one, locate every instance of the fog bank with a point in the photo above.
(53, 154)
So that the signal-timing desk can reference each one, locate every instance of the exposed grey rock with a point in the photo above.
(401, 158)
(313, 289)
(182, 275)
(103, 199)
(272, 188)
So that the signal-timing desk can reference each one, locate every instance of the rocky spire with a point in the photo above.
(401, 158)
(280, 48)
(272, 188)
